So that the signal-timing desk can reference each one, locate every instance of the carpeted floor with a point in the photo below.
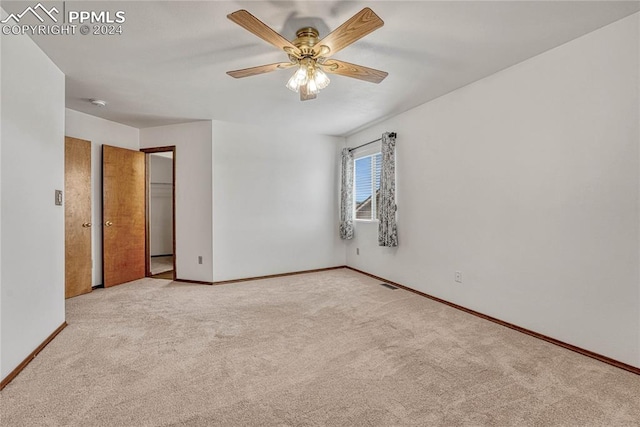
(331, 348)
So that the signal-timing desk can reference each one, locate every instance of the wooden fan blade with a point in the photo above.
(352, 70)
(254, 71)
(358, 26)
(304, 95)
(262, 30)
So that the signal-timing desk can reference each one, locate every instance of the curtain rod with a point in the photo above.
(392, 135)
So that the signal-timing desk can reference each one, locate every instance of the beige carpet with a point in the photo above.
(331, 348)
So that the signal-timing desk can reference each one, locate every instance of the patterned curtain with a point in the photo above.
(387, 227)
(346, 195)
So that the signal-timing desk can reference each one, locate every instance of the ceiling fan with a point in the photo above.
(311, 54)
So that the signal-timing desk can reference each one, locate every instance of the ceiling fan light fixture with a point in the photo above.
(310, 76)
(293, 84)
(299, 78)
(321, 79)
(312, 87)
(301, 75)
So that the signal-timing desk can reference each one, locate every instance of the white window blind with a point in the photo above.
(367, 186)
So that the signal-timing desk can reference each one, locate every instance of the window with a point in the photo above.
(367, 186)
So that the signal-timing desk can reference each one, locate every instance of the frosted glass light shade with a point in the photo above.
(301, 75)
(312, 87)
(293, 84)
(299, 78)
(321, 79)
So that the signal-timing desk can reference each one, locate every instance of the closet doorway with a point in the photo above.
(160, 224)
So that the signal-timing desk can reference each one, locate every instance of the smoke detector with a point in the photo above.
(99, 102)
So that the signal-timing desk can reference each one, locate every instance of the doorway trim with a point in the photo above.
(147, 151)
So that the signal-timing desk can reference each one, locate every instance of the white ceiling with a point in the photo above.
(169, 65)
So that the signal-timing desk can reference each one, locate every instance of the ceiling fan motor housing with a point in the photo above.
(307, 37)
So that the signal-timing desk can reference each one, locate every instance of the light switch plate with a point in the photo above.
(58, 197)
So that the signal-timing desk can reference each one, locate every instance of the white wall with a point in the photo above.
(32, 240)
(99, 132)
(274, 209)
(160, 205)
(194, 225)
(528, 183)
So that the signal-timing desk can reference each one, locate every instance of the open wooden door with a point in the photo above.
(123, 215)
(77, 217)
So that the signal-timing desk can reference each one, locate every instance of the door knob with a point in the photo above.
(108, 223)
(86, 224)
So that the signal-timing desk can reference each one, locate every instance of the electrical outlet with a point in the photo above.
(199, 259)
(357, 251)
(458, 277)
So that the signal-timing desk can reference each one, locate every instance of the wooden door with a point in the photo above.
(123, 215)
(77, 216)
